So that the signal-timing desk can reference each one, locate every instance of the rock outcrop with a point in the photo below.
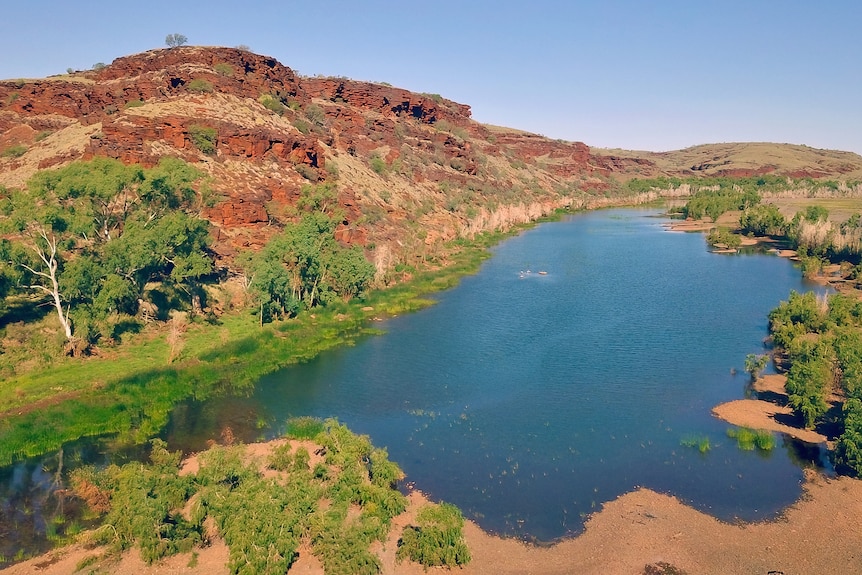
(411, 170)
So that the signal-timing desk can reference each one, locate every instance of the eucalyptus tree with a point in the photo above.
(306, 266)
(89, 236)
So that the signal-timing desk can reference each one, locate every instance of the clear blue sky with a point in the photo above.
(638, 74)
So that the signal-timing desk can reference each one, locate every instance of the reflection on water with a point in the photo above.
(529, 399)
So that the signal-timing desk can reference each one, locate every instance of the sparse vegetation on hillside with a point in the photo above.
(15, 151)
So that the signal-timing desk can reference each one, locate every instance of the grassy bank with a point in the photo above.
(131, 391)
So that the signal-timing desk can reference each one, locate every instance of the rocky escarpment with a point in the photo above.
(410, 170)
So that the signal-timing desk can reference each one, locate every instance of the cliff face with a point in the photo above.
(411, 170)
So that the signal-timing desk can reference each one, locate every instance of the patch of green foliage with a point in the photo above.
(713, 203)
(639, 186)
(223, 69)
(303, 427)
(263, 520)
(42, 135)
(437, 539)
(723, 238)
(848, 449)
(145, 503)
(755, 364)
(762, 220)
(204, 138)
(14, 151)
(272, 103)
(305, 266)
(701, 442)
(822, 340)
(435, 97)
(378, 164)
(93, 234)
(200, 86)
(748, 439)
(133, 104)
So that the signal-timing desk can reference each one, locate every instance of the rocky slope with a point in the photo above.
(411, 170)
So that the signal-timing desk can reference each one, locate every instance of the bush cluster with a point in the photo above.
(264, 519)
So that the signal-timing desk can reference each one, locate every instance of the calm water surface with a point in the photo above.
(530, 399)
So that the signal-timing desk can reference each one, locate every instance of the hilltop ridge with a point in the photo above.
(411, 170)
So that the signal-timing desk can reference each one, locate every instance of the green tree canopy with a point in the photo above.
(90, 235)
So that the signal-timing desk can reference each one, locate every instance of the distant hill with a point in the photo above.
(749, 159)
(410, 170)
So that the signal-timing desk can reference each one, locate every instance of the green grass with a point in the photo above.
(303, 427)
(748, 439)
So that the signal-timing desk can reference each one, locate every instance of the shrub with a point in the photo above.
(437, 540)
(223, 69)
(307, 172)
(43, 134)
(272, 103)
(848, 450)
(200, 85)
(99, 66)
(723, 238)
(134, 104)
(315, 115)
(378, 164)
(301, 125)
(15, 151)
(436, 97)
(204, 138)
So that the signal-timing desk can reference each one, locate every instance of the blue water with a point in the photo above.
(529, 400)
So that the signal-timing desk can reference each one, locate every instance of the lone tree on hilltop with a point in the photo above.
(175, 40)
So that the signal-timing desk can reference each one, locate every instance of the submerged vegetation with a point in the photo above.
(749, 439)
(339, 505)
(700, 442)
(818, 338)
